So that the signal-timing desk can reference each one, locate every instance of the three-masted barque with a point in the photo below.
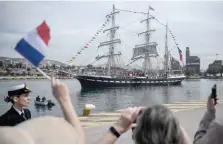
(118, 77)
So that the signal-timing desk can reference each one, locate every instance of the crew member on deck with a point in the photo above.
(19, 97)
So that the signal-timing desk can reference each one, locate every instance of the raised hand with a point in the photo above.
(60, 90)
(61, 93)
(127, 118)
(211, 105)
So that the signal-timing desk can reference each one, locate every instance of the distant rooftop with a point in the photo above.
(218, 61)
(193, 58)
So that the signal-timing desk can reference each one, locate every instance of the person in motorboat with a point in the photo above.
(38, 98)
(40, 101)
(44, 99)
(43, 102)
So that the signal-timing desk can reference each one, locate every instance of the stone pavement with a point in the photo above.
(189, 114)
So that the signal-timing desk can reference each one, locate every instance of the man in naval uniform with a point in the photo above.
(19, 97)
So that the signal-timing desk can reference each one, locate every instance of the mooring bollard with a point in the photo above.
(87, 109)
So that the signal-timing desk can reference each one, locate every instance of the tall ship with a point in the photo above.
(113, 75)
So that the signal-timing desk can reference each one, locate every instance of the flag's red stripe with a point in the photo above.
(44, 32)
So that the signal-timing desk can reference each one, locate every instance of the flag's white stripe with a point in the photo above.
(36, 42)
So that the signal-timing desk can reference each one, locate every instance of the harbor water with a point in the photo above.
(108, 100)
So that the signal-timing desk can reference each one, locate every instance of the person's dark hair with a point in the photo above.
(8, 99)
(157, 125)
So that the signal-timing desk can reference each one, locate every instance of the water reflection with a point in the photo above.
(42, 108)
(166, 95)
(115, 98)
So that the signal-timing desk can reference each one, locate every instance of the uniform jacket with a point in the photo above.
(12, 117)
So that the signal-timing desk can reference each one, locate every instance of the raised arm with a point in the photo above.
(123, 124)
(61, 93)
(206, 121)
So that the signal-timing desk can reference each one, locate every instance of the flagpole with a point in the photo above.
(43, 73)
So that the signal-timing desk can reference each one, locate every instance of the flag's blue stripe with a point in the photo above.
(30, 53)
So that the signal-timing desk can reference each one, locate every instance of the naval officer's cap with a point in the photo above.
(18, 90)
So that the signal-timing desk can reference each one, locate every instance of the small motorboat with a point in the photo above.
(47, 103)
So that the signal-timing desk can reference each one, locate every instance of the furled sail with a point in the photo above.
(141, 50)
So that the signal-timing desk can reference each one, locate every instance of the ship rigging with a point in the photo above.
(114, 76)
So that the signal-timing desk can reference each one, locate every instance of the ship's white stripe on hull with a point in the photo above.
(143, 82)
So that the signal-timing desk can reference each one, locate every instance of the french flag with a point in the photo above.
(33, 46)
(180, 53)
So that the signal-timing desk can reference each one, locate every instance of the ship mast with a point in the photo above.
(147, 62)
(148, 49)
(111, 43)
(166, 62)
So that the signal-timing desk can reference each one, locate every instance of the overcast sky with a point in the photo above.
(198, 25)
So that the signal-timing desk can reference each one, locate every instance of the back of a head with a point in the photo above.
(157, 125)
(50, 130)
(13, 135)
(46, 130)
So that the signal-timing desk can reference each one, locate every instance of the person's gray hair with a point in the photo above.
(157, 125)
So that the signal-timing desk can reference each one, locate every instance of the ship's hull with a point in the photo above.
(106, 82)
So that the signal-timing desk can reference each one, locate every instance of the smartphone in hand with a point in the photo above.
(214, 93)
